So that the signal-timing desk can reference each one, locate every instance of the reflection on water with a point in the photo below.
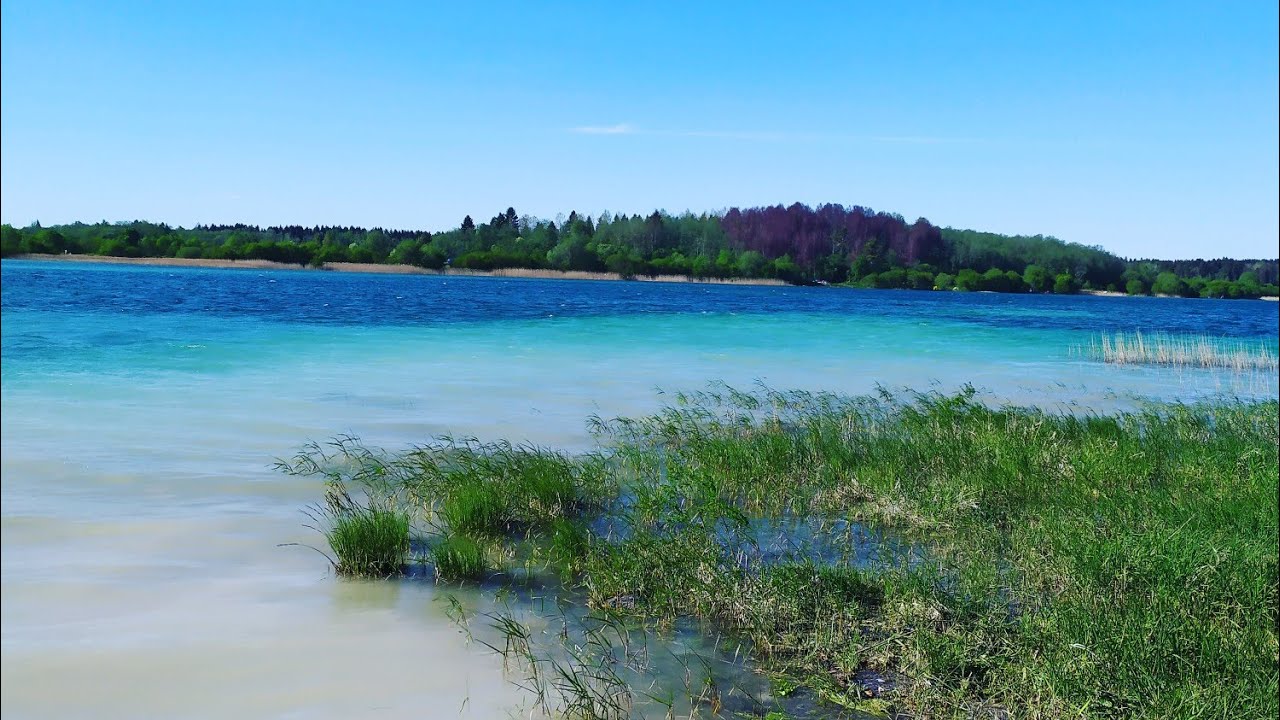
(141, 518)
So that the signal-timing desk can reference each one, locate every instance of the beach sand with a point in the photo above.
(376, 268)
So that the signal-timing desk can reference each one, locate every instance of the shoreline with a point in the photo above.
(381, 269)
(1116, 293)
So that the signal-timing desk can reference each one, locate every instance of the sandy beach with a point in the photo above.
(380, 269)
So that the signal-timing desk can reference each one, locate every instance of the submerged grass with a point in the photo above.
(1043, 565)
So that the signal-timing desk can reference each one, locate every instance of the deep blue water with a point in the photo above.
(367, 300)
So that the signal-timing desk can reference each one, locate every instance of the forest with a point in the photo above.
(826, 245)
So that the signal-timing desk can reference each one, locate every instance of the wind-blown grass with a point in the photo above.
(368, 540)
(1032, 563)
(1188, 351)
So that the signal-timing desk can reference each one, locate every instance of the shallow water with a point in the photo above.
(142, 409)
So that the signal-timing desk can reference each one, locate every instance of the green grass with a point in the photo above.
(477, 507)
(368, 541)
(567, 545)
(1039, 564)
(497, 489)
(458, 558)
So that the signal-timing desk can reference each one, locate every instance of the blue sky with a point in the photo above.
(1147, 128)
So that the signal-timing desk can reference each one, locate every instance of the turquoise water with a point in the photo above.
(143, 408)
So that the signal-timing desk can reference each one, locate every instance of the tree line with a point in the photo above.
(826, 244)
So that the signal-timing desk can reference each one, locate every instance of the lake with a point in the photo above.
(143, 409)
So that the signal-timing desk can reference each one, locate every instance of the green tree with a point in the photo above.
(47, 240)
(558, 256)
(1248, 282)
(1065, 284)
(968, 280)
(1169, 284)
(751, 264)
(833, 268)
(725, 263)
(920, 279)
(870, 259)
(10, 240)
(1216, 288)
(1037, 279)
(784, 268)
(993, 280)
(1135, 287)
(406, 252)
(894, 278)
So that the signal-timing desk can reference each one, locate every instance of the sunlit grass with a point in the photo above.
(367, 540)
(458, 557)
(1022, 562)
(1187, 351)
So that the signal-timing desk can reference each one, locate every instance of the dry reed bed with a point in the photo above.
(1184, 351)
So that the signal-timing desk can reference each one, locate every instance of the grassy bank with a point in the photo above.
(975, 561)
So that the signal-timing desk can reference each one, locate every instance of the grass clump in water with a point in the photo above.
(498, 489)
(1188, 351)
(1020, 562)
(568, 543)
(368, 540)
(475, 507)
(458, 557)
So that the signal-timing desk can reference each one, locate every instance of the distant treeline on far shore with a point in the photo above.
(829, 244)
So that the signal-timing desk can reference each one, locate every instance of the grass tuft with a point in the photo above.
(1188, 351)
(367, 540)
(458, 557)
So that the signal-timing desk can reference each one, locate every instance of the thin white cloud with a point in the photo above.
(738, 135)
(619, 129)
(757, 136)
(919, 139)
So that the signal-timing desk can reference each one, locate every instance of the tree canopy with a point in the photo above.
(796, 243)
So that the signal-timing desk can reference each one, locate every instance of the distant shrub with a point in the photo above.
(1064, 284)
(968, 280)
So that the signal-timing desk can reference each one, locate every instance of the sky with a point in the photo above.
(1147, 128)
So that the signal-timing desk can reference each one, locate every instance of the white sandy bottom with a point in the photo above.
(200, 618)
